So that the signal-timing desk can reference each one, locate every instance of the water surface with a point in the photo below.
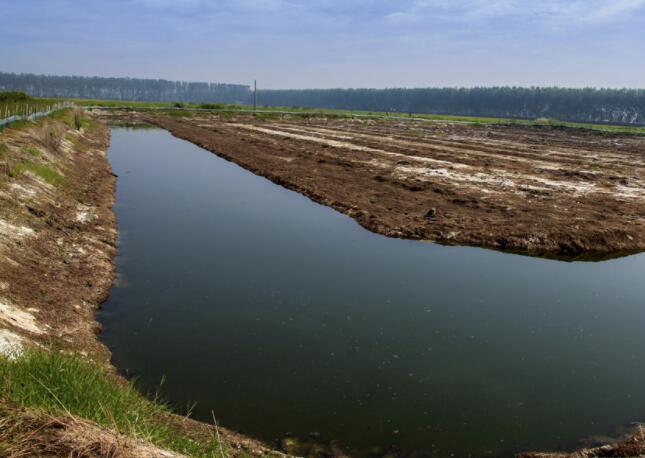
(282, 315)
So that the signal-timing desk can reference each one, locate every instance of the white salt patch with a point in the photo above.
(84, 214)
(18, 318)
(630, 191)
(346, 145)
(11, 231)
(24, 190)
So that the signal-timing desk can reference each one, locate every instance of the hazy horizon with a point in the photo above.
(293, 44)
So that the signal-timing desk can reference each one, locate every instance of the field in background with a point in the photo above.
(178, 107)
(19, 104)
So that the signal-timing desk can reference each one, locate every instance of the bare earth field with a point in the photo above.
(540, 190)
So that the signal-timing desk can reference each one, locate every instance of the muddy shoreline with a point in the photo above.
(565, 194)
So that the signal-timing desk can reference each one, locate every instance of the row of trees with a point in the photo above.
(624, 106)
(122, 88)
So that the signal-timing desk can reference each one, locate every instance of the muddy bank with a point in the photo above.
(57, 244)
(532, 190)
(58, 235)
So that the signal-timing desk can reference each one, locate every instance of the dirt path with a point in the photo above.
(540, 191)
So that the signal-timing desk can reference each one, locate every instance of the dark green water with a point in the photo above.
(285, 316)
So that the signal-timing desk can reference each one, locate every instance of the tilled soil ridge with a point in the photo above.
(534, 190)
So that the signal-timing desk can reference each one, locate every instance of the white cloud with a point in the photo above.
(547, 11)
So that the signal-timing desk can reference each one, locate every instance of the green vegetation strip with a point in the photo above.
(20, 104)
(43, 171)
(181, 109)
(58, 384)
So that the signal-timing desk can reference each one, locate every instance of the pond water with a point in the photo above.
(282, 315)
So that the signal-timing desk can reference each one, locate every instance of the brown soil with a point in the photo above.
(536, 190)
(60, 270)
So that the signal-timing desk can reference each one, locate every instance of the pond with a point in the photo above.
(282, 315)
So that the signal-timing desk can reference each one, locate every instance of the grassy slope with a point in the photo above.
(57, 384)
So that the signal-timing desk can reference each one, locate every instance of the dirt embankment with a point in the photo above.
(57, 244)
(58, 235)
(534, 190)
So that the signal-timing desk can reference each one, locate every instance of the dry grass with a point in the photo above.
(26, 433)
(50, 135)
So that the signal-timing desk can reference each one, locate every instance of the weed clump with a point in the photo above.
(50, 136)
(78, 119)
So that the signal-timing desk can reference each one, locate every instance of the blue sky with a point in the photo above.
(332, 43)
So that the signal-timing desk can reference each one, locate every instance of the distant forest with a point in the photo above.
(621, 106)
(148, 90)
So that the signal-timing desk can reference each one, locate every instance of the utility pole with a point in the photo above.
(255, 95)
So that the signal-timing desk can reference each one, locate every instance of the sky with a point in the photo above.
(332, 43)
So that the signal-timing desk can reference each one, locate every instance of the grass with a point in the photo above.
(45, 172)
(20, 124)
(73, 118)
(32, 150)
(58, 384)
(18, 103)
(183, 108)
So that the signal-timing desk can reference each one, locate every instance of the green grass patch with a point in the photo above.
(74, 118)
(65, 116)
(31, 150)
(58, 383)
(178, 113)
(19, 103)
(21, 124)
(46, 172)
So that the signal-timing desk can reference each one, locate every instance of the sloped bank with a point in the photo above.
(57, 244)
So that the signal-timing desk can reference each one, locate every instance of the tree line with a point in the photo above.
(621, 106)
(149, 90)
